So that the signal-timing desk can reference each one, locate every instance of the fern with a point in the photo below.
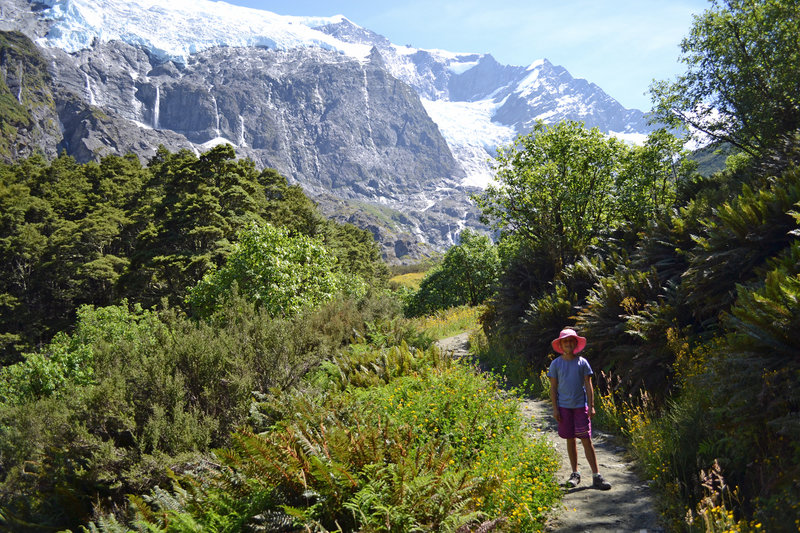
(608, 318)
(740, 237)
(765, 322)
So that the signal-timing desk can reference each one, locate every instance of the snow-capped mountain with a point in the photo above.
(333, 106)
(177, 29)
(480, 104)
(477, 103)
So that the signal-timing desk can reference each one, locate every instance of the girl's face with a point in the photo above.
(568, 344)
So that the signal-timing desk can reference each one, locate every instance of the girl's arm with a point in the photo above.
(554, 398)
(587, 382)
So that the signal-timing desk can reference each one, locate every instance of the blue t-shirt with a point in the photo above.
(570, 376)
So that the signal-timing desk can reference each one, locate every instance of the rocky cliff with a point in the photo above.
(390, 138)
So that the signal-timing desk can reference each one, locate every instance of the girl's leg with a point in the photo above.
(588, 448)
(572, 451)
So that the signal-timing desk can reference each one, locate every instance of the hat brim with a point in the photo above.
(556, 344)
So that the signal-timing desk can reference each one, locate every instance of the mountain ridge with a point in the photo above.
(333, 106)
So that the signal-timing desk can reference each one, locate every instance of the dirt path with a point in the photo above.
(627, 507)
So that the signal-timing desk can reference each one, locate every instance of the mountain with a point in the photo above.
(388, 137)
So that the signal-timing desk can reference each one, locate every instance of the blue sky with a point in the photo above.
(621, 45)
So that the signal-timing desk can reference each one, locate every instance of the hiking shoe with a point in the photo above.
(599, 483)
(574, 480)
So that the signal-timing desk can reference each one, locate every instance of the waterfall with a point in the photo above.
(19, 76)
(216, 114)
(368, 111)
(89, 92)
(241, 131)
(157, 108)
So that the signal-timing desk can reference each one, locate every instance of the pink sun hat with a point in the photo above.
(567, 332)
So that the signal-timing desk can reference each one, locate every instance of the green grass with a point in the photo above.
(410, 280)
(449, 322)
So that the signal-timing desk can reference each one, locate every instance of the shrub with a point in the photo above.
(466, 276)
(412, 441)
(282, 274)
(161, 391)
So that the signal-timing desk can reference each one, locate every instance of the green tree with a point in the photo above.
(60, 242)
(467, 275)
(25, 222)
(742, 84)
(647, 181)
(355, 249)
(288, 206)
(356, 252)
(189, 218)
(283, 274)
(555, 187)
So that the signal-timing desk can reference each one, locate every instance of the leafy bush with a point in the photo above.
(280, 273)
(466, 276)
(737, 240)
(423, 444)
(154, 390)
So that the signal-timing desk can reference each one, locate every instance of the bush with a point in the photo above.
(466, 276)
(280, 273)
(155, 390)
(418, 442)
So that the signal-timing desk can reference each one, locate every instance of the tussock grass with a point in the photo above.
(449, 322)
(409, 280)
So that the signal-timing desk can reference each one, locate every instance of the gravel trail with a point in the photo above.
(627, 507)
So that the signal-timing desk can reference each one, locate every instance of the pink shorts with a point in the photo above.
(574, 423)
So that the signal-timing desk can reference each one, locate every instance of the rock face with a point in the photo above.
(480, 104)
(380, 137)
(327, 121)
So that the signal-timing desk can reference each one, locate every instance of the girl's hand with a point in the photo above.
(591, 412)
(557, 415)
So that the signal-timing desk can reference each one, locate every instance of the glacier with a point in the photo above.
(474, 124)
(177, 29)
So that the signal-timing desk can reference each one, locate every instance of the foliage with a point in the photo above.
(466, 275)
(649, 177)
(425, 445)
(68, 360)
(612, 318)
(561, 187)
(740, 84)
(280, 273)
(151, 390)
(736, 408)
(736, 240)
(516, 371)
(550, 312)
(555, 188)
(526, 273)
(61, 244)
(422, 265)
(691, 307)
(356, 252)
(193, 209)
(97, 233)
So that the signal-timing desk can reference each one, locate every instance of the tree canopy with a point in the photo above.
(280, 273)
(97, 233)
(741, 84)
(562, 186)
(467, 275)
